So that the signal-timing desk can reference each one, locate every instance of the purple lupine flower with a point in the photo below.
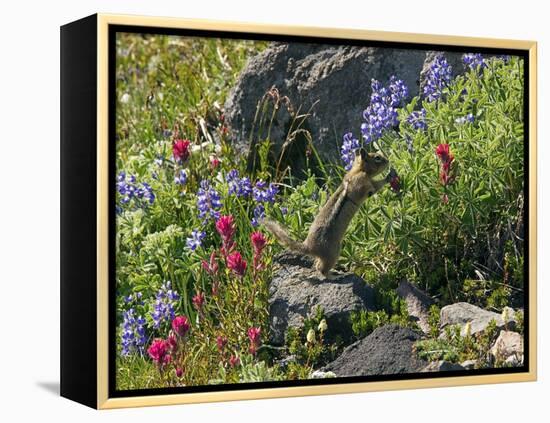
(438, 77)
(132, 334)
(399, 91)
(381, 114)
(349, 146)
(263, 193)
(129, 190)
(135, 297)
(418, 119)
(241, 187)
(181, 177)
(195, 240)
(244, 187)
(474, 61)
(164, 305)
(208, 201)
(232, 175)
(259, 214)
(146, 192)
(270, 193)
(257, 192)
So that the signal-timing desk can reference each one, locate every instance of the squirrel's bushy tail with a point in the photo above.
(281, 233)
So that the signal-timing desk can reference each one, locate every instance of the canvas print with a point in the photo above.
(297, 210)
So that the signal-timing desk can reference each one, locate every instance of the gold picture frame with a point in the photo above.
(97, 32)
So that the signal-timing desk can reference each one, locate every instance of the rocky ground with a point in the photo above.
(296, 291)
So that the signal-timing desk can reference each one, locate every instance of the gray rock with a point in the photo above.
(331, 82)
(462, 313)
(508, 344)
(296, 291)
(469, 364)
(418, 303)
(442, 366)
(387, 350)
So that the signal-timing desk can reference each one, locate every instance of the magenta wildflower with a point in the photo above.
(180, 150)
(226, 228)
(211, 267)
(198, 300)
(236, 263)
(254, 335)
(180, 325)
(234, 361)
(258, 242)
(158, 351)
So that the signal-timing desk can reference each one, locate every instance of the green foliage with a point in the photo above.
(457, 348)
(433, 320)
(364, 322)
(249, 371)
(437, 349)
(489, 294)
(443, 243)
(519, 317)
(308, 347)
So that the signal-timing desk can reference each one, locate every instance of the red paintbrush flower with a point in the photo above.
(158, 351)
(234, 361)
(180, 150)
(180, 325)
(254, 335)
(226, 228)
(443, 152)
(258, 242)
(214, 162)
(211, 267)
(236, 263)
(198, 300)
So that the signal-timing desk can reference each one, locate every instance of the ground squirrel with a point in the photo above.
(325, 235)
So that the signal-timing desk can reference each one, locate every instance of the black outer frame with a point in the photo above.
(79, 210)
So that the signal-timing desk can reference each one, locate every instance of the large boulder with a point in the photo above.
(418, 304)
(330, 82)
(479, 319)
(387, 350)
(296, 291)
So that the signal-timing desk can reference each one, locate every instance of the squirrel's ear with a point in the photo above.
(363, 153)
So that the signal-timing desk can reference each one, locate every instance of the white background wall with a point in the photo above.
(29, 206)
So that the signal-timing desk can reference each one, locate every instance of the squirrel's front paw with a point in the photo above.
(391, 175)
